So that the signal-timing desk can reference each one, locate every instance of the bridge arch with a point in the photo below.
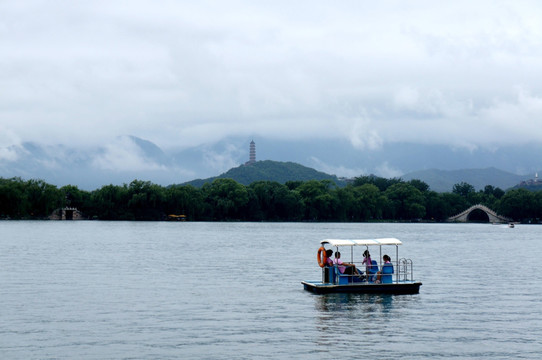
(479, 213)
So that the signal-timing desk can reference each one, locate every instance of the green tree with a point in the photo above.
(518, 204)
(226, 198)
(145, 200)
(455, 203)
(490, 190)
(466, 191)
(437, 208)
(381, 183)
(537, 211)
(369, 202)
(420, 185)
(110, 203)
(264, 194)
(319, 204)
(42, 198)
(346, 204)
(290, 206)
(185, 200)
(293, 184)
(12, 198)
(407, 202)
(273, 201)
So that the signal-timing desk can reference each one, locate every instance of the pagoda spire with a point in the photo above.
(252, 154)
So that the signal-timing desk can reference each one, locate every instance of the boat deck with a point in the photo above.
(401, 287)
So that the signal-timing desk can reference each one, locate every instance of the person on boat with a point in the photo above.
(328, 265)
(387, 270)
(367, 260)
(329, 260)
(345, 268)
(371, 266)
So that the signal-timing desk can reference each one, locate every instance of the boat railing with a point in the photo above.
(405, 270)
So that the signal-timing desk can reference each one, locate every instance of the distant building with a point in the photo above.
(532, 182)
(67, 213)
(252, 153)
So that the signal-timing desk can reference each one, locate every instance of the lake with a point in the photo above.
(183, 290)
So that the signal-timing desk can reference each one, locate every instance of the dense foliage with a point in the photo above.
(367, 198)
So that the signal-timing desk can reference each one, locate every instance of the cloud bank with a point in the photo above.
(185, 74)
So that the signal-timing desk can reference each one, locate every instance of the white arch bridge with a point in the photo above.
(473, 214)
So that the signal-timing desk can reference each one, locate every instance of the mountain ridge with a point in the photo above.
(444, 180)
(127, 157)
(438, 180)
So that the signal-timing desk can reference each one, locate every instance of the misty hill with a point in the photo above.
(269, 170)
(444, 181)
(125, 158)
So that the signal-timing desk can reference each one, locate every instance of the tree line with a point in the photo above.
(366, 198)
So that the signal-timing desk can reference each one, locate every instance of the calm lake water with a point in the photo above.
(159, 290)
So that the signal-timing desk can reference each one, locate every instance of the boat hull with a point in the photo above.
(400, 288)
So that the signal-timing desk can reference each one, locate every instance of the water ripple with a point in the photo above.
(115, 290)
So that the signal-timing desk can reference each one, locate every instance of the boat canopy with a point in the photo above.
(361, 242)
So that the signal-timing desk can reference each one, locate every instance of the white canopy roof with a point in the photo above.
(361, 242)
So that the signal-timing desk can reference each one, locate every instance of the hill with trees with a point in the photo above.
(269, 170)
(438, 180)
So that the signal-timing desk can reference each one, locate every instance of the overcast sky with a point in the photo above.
(185, 73)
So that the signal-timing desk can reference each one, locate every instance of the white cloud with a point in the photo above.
(386, 171)
(525, 112)
(406, 97)
(124, 155)
(190, 73)
(9, 144)
(8, 154)
(223, 161)
(364, 134)
(339, 171)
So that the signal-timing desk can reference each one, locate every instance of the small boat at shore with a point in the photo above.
(392, 277)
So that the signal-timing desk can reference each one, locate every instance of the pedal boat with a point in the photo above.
(394, 280)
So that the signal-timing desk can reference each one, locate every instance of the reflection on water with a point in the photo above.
(349, 316)
(348, 303)
(347, 319)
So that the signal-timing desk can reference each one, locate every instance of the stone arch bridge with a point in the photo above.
(479, 213)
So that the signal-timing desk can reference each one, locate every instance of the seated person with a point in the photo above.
(387, 269)
(328, 275)
(329, 260)
(345, 268)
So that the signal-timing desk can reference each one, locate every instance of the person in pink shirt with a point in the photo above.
(329, 260)
(367, 260)
(347, 268)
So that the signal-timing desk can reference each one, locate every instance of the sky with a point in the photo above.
(183, 74)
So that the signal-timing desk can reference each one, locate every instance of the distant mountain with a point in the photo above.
(269, 170)
(125, 158)
(150, 151)
(444, 181)
(122, 160)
